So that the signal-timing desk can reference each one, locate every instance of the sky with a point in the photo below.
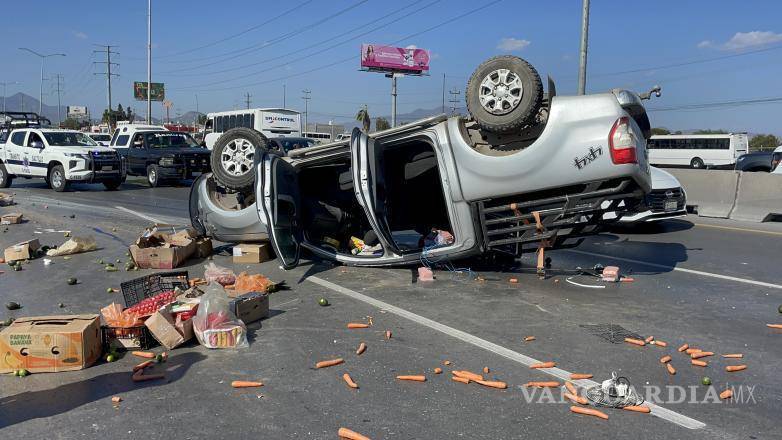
(210, 54)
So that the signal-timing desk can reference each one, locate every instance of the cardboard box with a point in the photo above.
(6, 199)
(250, 307)
(50, 343)
(11, 219)
(22, 251)
(251, 253)
(203, 247)
(161, 250)
(169, 333)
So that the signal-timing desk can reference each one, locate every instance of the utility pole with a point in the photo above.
(108, 74)
(443, 108)
(306, 99)
(42, 57)
(149, 61)
(247, 97)
(582, 61)
(455, 100)
(284, 93)
(58, 84)
(198, 114)
(393, 77)
(5, 84)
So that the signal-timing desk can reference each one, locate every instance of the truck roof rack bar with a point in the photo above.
(9, 120)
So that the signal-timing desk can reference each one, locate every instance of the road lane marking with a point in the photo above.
(138, 214)
(680, 269)
(733, 228)
(663, 413)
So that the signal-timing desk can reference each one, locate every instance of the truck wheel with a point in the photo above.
(153, 176)
(5, 178)
(233, 157)
(57, 179)
(504, 94)
(112, 185)
(697, 163)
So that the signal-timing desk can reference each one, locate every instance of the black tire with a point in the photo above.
(238, 171)
(195, 221)
(697, 163)
(507, 117)
(153, 176)
(5, 178)
(57, 180)
(112, 185)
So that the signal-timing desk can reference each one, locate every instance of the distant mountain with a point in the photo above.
(23, 102)
(186, 118)
(404, 118)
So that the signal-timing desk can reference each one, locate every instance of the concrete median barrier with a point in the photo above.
(759, 197)
(711, 193)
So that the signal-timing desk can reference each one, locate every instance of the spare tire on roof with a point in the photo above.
(233, 157)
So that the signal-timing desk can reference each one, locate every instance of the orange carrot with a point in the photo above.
(660, 343)
(485, 370)
(446, 362)
(572, 388)
(413, 378)
(438, 370)
(544, 365)
(142, 365)
(665, 359)
(143, 354)
(116, 399)
(635, 341)
(529, 338)
(649, 339)
(350, 435)
(549, 384)
(701, 354)
(774, 326)
(362, 347)
(513, 280)
(692, 350)
(576, 399)
(348, 380)
(698, 363)
(245, 384)
(139, 377)
(641, 409)
(733, 356)
(330, 363)
(493, 384)
(683, 347)
(576, 376)
(388, 334)
(727, 394)
(460, 379)
(357, 325)
(732, 368)
(467, 374)
(589, 412)
(670, 368)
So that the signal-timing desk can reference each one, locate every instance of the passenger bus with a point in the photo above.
(697, 150)
(271, 122)
(318, 137)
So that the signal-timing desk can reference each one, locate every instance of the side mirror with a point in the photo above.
(36, 144)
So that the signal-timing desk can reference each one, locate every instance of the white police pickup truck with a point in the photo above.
(29, 149)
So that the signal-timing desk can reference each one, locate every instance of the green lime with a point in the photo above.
(706, 380)
(100, 261)
(17, 268)
(22, 373)
(323, 302)
(118, 260)
(779, 309)
(66, 258)
(159, 358)
(72, 281)
(111, 358)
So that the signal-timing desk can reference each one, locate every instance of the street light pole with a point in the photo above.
(149, 61)
(42, 57)
(582, 64)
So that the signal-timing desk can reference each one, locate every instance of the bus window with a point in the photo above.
(248, 120)
(209, 124)
(232, 122)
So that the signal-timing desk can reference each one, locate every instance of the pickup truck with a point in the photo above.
(29, 149)
(757, 161)
(159, 154)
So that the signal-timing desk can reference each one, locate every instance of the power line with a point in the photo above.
(717, 105)
(108, 73)
(247, 100)
(58, 78)
(306, 99)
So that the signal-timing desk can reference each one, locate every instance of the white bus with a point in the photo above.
(272, 122)
(318, 137)
(697, 150)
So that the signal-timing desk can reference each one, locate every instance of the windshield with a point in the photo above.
(170, 140)
(289, 144)
(68, 139)
(101, 137)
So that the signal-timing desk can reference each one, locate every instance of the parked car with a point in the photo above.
(776, 159)
(284, 145)
(30, 149)
(520, 173)
(757, 161)
(102, 139)
(666, 200)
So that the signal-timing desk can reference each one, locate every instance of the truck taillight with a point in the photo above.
(621, 142)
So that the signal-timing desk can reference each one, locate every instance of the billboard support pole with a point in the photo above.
(393, 99)
(582, 61)
(149, 61)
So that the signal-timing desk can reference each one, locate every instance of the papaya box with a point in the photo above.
(50, 344)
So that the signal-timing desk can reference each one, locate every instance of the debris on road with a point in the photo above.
(250, 253)
(349, 380)
(143, 354)
(215, 325)
(700, 354)
(575, 399)
(12, 305)
(670, 369)
(116, 399)
(467, 375)
(546, 384)
(246, 283)
(347, 434)
(698, 363)
(544, 365)
(589, 412)
(323, 302)
(634, 341)
(493, 384)
(246, 384)
(637, 408)
(362, 347)
(529, 339)
(425, 274)
(26, 250)
(388, 335)
(665, 359)
(354, 325)
(155, 249)
(12, 218)
(727, 394)
(777, 326)
(438, 370)
(576, 376)
(329, 363)
(413, 378)
(572, 388)
(74, 245)
(485, 370)
(734, 368)
(733, 356)
(460, 379)
(706, 380)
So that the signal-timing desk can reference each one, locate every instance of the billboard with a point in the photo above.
(140, 91)
(376, 57)
(76, 111)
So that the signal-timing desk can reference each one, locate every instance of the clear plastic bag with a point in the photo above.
(218, 274)
(215, 325)
(252, 283)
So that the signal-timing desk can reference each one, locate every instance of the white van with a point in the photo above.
(697, 150)
(271, 122)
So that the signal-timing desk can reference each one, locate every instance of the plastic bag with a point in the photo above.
(218, 274)
(75, 245)
(215, 325)
(115, 317)
(252, 283)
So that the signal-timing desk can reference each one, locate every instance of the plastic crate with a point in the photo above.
(136, 290)
(130, 338)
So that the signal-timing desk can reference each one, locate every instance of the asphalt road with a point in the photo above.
(712, 284)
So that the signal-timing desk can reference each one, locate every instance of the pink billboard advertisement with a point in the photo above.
(395, 59)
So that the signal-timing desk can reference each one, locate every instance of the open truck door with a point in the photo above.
(280, 207)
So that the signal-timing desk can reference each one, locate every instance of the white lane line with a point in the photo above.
(663, 413)
(680, 269)
(166, 220)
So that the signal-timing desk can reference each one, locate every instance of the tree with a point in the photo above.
(129, 115)
(381, 124)
(363, 117)
(71, 124)
(710, 132)
(764, 142)
(201, 119)
(660, 130)
(677, 132)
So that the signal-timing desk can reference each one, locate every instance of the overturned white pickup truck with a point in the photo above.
(523, 172)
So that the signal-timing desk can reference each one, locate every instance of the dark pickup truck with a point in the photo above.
(165, 155)
(757, 161)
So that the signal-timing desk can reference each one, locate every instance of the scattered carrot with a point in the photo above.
(576, 399)
(143, 354)
(485, 370)
(670, 368)
(388, 334)
(138, 377)
(357, 325)
(544, 365)
(493, 384)
(635, 341)
(513, 280)
(649, 339)
(413, 378)
(362, 347)
(692, 350)
(779, 326)
(460, 379)
(701, 354)
(446, 362)
(576, 376)
(589, 412)
(245, 384)
(467, 374)
(665, 359)
(142, 365)
(116, 399)
(732, 368)
(727, 394)
(529, 338)
(547, 384)
(572, 388)
(438, 370)
(348, 380)
(683, 347)
(698, 363)
(330, 363)
(636, 408)
(733, 356)
(661, 344)
(350, 435)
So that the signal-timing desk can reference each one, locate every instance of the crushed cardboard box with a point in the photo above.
(155, 249)
(251, 253)
(11, 219)
(250, 307)
(203, 247)
(6, 199)
(22, 251)
(167, 331)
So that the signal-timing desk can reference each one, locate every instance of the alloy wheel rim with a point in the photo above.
(237, 157)
(500, 92)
